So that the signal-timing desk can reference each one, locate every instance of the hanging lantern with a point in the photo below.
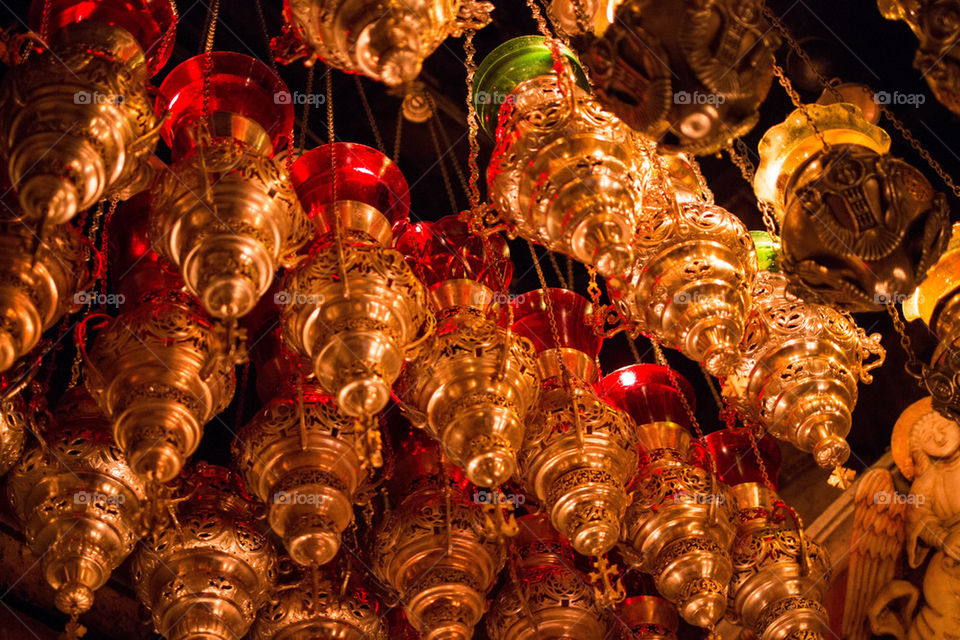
(689, 286)
(386, 41)
(858, 226)
(780, 577)
(564, 172)
(429, 547)
(225, 213)
(935, 302)
(308, 610)
(14, 412)
(304, 466)
(680, 525)
(45, 278)
(935, 25)
(77, 123)
(578, 453)
(648, 618)
(161, 369)
(207, 574)
(546, 598)
(79, 502)
(353, 307)
(799, 370)
(474, 381)
(692, 73)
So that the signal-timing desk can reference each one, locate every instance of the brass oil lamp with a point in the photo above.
(385, 41)
(475, 380)
(326, 608)
(45, 277)
(206, 575)
(578, 452)
(680, 525)
(79, 501)
(689, 286)
(858, 226)
(353, 307)
(15, 414)
(161, 369)
(935, 302)
(299, 456)
(76, 119)
(648, 617)
(780, 577)
(935, 25)
(225, 213)
(800, 364)
(546, 597)
(691, 73)
(564, 172)
(429, 548)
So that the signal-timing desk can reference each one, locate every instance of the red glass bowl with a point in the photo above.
(736, 460)
(151, 22)
(647, 393)
(572, 313)
(238, 84)
(446, 250)
(363, 175)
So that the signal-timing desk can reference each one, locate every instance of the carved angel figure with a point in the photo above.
(926, 448)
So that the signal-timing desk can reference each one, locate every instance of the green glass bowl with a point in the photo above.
(513, 62)
(768, 250)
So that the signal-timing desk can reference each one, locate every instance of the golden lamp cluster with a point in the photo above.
(431, 455)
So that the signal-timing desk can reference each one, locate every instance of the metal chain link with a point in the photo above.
(305, 115)
(398, 135)
(907, 135)
(448, 186)
(369, 112)
(705, 191)
(266, 35)
(556, 267)
(473, 127)
(913, 366)
(798, 103)
(740, 156)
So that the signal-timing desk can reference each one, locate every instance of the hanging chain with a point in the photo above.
(713, 388)
(446, 143)
(760, 463)
(398, 135)
(305, 116)
(431, 125)
(800, 53)
(799, 104)
(208, 59)
(907, 135)
(473, 127)
(266, 35)
(913, 365)
(369, 112)
(556, 268)
(740, 156)
(705, 191)
(212, 27)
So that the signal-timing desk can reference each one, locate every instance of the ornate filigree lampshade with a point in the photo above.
(308, 610)
(161, 369)
(386, 41)
(689, 286)
(680, 525)
(354, 307)
(858, 226)
(79, 501)
(443, 574)
(780, 577)
(77, 122)
(206, 576)
(648, 618)
(548, 588)
(225, 213)
(798, 373)
(578, 452)
(301, 460)
(564, 172)
(692, 72)
(475, 381)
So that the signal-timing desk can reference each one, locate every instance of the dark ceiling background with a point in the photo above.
(848, 39)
